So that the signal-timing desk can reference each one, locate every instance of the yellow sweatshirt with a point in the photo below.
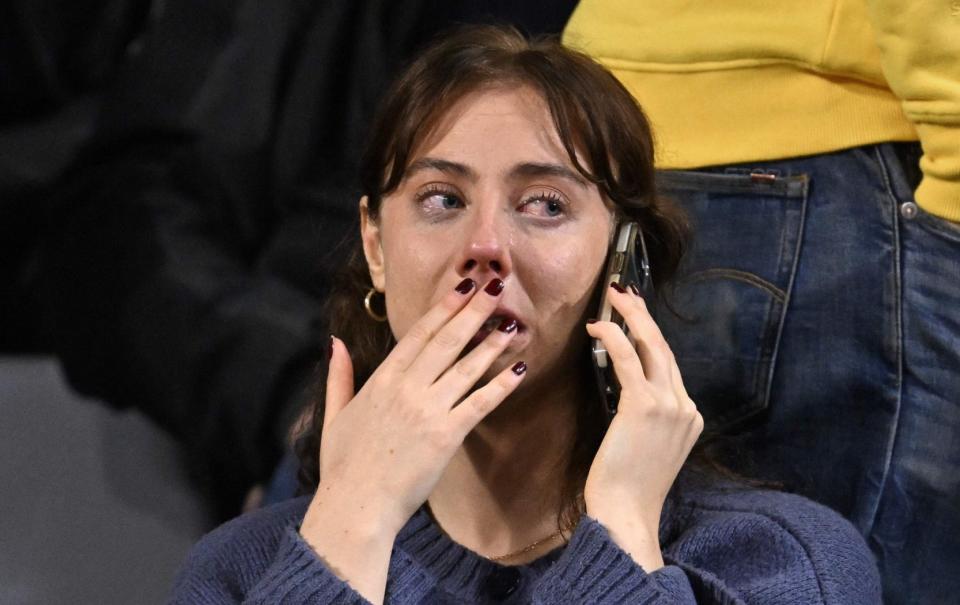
(752, 80)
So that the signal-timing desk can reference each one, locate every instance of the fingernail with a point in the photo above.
(494, 288)
(465, 286)
(591, 321)
(617, 287)
(507, 325)
(330, 348)
(519, 368)
(634, 288)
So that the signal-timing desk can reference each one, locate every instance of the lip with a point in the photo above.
(506, 313)
(501, 313)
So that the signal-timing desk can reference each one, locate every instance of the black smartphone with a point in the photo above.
(627, 262)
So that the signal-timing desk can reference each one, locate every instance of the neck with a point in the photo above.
(502, 489)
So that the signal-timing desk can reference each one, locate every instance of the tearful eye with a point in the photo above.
(435, 199)
(547, 205)
(443, 201)
(448, 201)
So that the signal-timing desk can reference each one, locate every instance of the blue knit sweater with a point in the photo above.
(720, 546)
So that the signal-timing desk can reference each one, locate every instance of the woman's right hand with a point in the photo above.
(384, 449)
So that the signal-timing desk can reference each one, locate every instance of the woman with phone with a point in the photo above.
(460, 450)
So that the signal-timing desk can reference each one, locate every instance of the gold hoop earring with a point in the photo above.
(369, 307)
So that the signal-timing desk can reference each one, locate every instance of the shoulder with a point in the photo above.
(237, 552)
(763, 541)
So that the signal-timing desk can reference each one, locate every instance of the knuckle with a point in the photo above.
(452, 302)
(658, 342)
(485, 398)
(464, 369)
(605, 327)
(671, 358)
(502, 384)
(419, 332)
(480, 402)
(446, 340)
(697, 424)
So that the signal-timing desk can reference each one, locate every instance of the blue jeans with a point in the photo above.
(818, 322)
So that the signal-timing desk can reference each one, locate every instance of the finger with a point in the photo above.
(339, 381)
(444, 348)
(626, 364)
(484, 400)
(410, 345)
(455, 382)
(652, 348)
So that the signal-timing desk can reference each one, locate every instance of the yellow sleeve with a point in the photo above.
(920, 54)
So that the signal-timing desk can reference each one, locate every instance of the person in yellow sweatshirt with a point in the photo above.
(816, 146)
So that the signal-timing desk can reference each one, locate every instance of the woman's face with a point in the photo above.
(492, 194)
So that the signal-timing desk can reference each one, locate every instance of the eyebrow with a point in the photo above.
(443, 166)
(523, 170)
(528, 169)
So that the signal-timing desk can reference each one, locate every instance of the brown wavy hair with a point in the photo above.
(593, 114)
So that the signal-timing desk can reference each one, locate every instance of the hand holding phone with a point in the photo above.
(627, 263)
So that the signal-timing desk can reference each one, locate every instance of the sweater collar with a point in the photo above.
(461, 571)
(456, 568)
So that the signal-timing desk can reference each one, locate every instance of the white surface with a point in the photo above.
(94, 504)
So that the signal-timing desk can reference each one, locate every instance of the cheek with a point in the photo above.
(412, 271)
(566, 281)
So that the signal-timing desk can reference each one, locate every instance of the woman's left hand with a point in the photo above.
(650, 437)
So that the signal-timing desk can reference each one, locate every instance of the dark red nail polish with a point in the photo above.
(519, 368)
(507, 325)
(465, 286)
(591, 321)
(330, 348)
(618, 287)
(494, 288)
(634, 288)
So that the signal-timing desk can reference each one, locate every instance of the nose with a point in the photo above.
(486, 250)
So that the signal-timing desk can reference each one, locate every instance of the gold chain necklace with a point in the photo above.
(527, 548)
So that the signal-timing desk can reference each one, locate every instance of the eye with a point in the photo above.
(547, 204)
(437, 198)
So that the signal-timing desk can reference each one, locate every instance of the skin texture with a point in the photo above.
(491, 194)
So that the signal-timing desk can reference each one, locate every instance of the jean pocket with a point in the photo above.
(725, 313)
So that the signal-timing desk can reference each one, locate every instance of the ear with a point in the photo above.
(372, 248)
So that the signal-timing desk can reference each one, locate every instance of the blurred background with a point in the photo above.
(175, 180)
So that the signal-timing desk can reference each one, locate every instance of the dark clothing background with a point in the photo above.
(56, 57)
(191, 246)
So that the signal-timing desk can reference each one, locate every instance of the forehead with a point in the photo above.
(498, 125)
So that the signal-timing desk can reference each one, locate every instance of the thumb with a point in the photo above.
(339, 381)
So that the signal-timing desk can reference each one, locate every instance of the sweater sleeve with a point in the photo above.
(594, 569)
(758, 548)
(297, 575)
(919, 44)
(228, 566)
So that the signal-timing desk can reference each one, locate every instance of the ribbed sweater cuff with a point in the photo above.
(593, 569)
(297, 575)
